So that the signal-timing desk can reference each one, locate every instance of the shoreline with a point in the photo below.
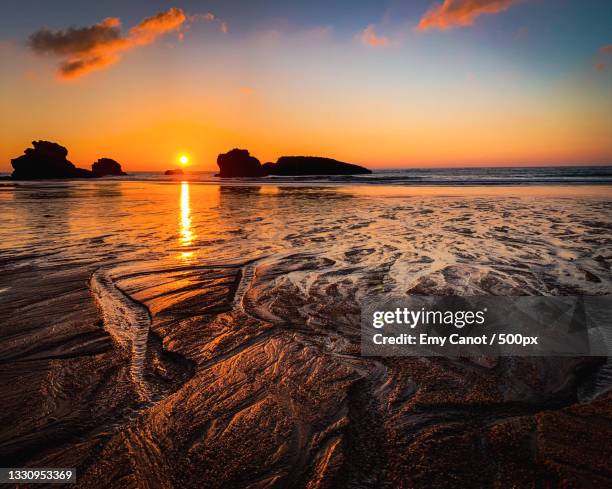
(167, 323)
(575, 190)
(408, 177)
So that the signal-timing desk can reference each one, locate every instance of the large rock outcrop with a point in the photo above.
(107, 166)
(49, 160)
(46, 160)
(238, 163)
(314, 165)
(177, 171)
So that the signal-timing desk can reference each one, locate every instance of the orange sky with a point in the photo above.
(407, 99)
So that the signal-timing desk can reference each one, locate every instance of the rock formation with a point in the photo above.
(239, 163)
(46, 160)
(314, 165)
(107, 166)
(177, 171)
(268, 168)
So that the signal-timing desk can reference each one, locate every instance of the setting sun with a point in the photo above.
(336, 239)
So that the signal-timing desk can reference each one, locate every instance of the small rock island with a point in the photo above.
(177, 171)
(240, 163)
(48, 160)
(107, 166)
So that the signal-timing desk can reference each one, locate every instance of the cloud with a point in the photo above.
(152, 27)
(86, 49)
(74, 40)
(370, 38)
(460, 13)
(604, 50)
(209, 17)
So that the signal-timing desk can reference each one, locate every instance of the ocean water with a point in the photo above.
(461, 239)
(561, 175)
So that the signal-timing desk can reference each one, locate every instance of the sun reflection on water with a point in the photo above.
(186, 234)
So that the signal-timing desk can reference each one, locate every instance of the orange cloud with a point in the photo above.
(454, 13)
(152, 27)
(370, 38)
(606, 49)
(86, 49)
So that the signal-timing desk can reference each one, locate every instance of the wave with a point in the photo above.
(484, 176)
(498, 176)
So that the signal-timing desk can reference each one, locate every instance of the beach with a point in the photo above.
(197, 333)
(306, 245)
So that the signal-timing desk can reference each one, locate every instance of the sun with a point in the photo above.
(183, 159)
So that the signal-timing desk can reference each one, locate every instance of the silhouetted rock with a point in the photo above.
(238, 163)
(80, 173)
(107, 166)
(314, 165)
(268, 168)
(178, 171)
(46, 160)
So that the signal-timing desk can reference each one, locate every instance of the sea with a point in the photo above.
(550, 175)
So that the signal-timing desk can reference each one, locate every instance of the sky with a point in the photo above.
(383, 84)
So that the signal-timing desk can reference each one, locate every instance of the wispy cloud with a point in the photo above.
(370, 38)
(210, 17)
(86, 49)
(605, 50)
(460, 13)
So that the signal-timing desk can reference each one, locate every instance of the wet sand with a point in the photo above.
(184, 335)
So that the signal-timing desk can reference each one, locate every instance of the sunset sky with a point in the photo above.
(384, 84)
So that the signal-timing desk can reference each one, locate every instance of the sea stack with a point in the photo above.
(46, 160)
(178, 171)
(314, 165)
(107, 166)
(240, 163)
